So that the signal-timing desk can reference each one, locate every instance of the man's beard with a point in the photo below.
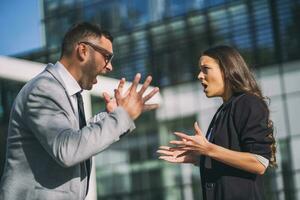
(90, 73)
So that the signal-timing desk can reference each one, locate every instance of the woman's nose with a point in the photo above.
(201, 75)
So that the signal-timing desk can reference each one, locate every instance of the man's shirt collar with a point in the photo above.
(72, 86)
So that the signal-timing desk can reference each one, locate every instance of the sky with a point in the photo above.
(20, 26)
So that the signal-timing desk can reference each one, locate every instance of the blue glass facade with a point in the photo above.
(165, 37)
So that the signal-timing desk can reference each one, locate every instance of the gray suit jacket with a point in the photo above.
(46, 149)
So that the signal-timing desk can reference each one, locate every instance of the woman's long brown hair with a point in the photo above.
(239, 78)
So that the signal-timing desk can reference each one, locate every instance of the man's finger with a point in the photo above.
(135, 82)
(151, 94)
(121, 85)
(148, 107)
(145, 85)
(106, 97)
(117, 95)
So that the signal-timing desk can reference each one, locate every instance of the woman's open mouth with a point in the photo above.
(204, 86)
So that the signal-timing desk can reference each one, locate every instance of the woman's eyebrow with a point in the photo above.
(205, 65)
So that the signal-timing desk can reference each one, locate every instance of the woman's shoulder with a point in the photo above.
(248, 103)
(247, 99)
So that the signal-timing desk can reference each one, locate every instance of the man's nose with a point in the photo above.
(109, 67)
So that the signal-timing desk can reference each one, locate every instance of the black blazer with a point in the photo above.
(240, 124)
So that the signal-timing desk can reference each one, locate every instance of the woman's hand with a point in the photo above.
(177, 155)
(196, 143)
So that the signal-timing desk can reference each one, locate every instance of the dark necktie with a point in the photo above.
(82, 123)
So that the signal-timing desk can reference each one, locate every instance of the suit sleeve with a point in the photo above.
(52, 126)
(251, 120)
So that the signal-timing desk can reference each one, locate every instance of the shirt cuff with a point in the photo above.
(124, 113)
(262, 160)
(100, 116)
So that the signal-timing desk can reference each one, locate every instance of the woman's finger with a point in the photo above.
(165, 152)
(165, 147)
(177, 142)
(170, 159)
(182, 135)
(197, 129)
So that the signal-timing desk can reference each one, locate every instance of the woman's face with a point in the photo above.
(211, 77)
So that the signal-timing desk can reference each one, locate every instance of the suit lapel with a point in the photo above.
(51, 69)
(211, 129)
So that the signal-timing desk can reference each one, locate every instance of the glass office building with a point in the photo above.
(164, 38)
(8, 91)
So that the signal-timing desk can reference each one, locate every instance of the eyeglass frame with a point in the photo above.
(108, 56)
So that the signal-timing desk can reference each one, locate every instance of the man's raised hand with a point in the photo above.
(132, 101)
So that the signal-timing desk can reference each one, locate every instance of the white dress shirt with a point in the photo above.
(72, 86)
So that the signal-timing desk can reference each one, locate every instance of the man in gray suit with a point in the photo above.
(49, 145)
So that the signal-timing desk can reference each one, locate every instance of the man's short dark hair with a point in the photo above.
(79, 32)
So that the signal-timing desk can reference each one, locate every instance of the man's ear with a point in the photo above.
(81, 52)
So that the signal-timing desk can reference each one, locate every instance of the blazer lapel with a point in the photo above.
(210, 131)
(210, 136)
(51, 69)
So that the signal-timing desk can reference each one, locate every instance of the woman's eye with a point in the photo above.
(204, 69)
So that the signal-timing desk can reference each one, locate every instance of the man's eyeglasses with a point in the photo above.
(108, 56)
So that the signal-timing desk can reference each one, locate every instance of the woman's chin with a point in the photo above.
(95, 81)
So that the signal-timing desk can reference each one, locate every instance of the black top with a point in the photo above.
(240, 124)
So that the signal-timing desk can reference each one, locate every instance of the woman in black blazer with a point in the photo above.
(239, 144)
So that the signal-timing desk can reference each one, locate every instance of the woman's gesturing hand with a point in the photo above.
(196, 143)
(177, 155)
